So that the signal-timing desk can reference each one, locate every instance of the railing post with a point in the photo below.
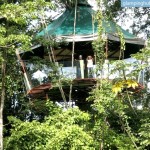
(23, 69)
(82, 68)
(106, 69)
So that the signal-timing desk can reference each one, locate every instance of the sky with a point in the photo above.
(92, 3)
(125, 23)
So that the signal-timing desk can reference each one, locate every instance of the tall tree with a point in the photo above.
(15, 17)
(112, 125)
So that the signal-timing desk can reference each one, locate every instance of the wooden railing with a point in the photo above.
(45, 74)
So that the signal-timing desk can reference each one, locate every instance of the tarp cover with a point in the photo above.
(86, 27)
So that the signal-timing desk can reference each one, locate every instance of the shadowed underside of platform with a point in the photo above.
(80, 88)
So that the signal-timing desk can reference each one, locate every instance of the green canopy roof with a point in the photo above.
(86, 27)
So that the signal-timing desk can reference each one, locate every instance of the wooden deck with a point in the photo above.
(81, 88)
(40, 90)
(85, 81)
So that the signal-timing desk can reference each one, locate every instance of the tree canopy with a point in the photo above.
(114, 120)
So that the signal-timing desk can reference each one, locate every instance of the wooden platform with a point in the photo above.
(85, 81)
(81, 88)
(44, 89)
(39, 90)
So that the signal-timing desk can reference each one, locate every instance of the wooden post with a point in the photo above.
(3, 71)
(82, 68)
(3, 92)
(23, 68)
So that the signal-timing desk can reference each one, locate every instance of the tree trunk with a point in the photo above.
(3, 71)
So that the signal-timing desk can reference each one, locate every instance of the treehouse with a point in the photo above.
(74, 30)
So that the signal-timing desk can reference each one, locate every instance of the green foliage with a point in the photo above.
(118, 124)
(144, 133)
(99, 44)
(114, 101)
(113, 122)
(64, 130)
(103, 97)
(15, 18)
(144, 53)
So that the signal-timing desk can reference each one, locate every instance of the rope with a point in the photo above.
(73, 47)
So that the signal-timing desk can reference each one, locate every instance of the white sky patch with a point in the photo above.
(93, 3)
(125, 22)
(128, 21)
